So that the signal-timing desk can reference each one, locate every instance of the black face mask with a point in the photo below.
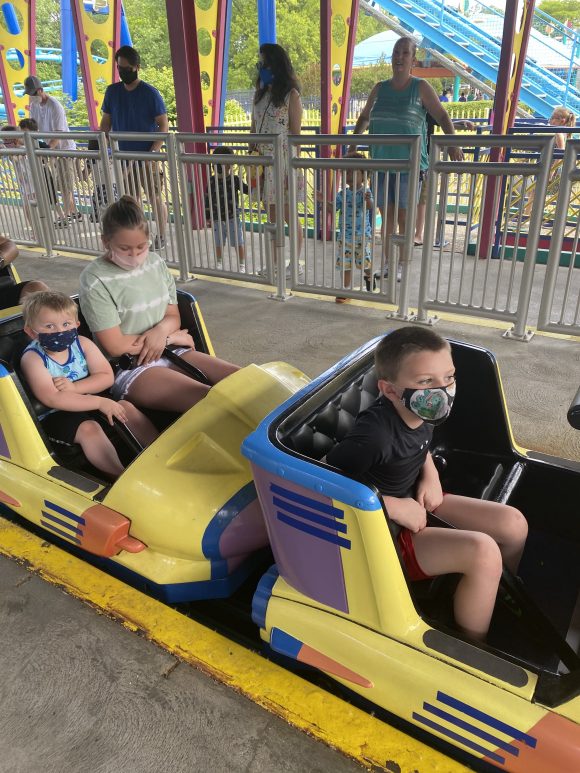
(127, 74)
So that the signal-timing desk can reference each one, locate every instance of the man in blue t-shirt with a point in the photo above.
(135, 106)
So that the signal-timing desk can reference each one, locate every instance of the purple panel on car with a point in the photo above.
(246, 532)
(4, 450)
(307, 534)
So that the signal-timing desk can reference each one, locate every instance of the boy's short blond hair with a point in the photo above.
(47, 299)
(395, 347)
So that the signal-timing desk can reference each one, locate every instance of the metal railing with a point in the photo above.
(334, 206)
(224, 216)
(463, 280)
(226, 229)
(560, 303)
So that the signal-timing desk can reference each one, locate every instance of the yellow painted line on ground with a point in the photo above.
(309, 708)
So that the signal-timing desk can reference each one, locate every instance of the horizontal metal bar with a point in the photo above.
(225, 160)
(490, 169)
(354, 139)
(245, 139)
(490, 140)
(368, 164)
(471, 311)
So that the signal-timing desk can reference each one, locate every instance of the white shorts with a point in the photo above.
(125, 378)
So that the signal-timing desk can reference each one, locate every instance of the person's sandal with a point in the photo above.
(340, 299)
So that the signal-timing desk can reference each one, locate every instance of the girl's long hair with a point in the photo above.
(285, 79)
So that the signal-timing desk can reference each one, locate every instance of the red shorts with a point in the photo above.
(405, 540)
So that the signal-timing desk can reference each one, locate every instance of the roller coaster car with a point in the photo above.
(183, 520)
(338, 599)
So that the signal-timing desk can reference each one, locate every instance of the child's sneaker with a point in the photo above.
(242, 268)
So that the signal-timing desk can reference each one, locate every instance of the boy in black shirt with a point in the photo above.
(222, 209)
(389, 446)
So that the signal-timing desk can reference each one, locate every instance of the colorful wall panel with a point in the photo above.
(17, 55)
(338, 20)
(98, 30)
(211, 17)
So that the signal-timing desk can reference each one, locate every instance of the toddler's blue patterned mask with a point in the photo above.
(57, 342)
(431, 405)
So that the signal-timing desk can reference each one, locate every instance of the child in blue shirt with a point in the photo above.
(68, 373)
(354, 204)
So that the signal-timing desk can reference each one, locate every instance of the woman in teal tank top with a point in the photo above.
(400, 106)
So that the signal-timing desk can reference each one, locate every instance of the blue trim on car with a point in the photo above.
(3, 371)
(327, 536)
(210, 543)
(262, 596)
(481, 716)
(62, 511)
(458, 738)
(282, 642)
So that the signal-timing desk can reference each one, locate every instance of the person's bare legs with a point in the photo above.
(98, 449)
(214, 368)
(143, 429)
(474, 555)
(165, 389)
(170, 389)
(420, 222)
(505, 524)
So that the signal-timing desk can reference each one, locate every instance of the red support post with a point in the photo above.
(514, 46)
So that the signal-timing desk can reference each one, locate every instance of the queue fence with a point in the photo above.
(227, 229)
(338, 243)
(463, 276)
(224, 215)
(560, 302)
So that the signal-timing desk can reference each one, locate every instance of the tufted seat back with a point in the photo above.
(330, 423)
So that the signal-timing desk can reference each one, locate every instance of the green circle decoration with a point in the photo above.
(339, 30)
(205, 80)
(204, 5)
(204, 42)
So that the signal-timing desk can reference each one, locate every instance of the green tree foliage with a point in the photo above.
(562, 10)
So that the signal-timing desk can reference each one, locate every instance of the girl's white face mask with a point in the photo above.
(129, 262)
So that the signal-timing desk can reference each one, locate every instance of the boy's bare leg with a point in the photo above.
(505, 524)
(242, 254)
(474, 555)
(143, 429)
(98, 448)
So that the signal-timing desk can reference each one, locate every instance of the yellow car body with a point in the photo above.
(338, 599)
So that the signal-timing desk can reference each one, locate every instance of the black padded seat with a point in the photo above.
(330, 424)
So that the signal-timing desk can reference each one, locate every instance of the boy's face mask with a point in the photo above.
(431, 405)
(57, 342)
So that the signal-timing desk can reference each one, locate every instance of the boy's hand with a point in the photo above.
(407, 512)
(112, 410)
(64, 384)
(429, 492)
(181, 338)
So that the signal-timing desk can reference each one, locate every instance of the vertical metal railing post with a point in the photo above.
(177, 206)
(428, 237)
(106, 169)
(43, 204)
(280, 231)
(519, 329)
(407, 246)
(558, 228)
